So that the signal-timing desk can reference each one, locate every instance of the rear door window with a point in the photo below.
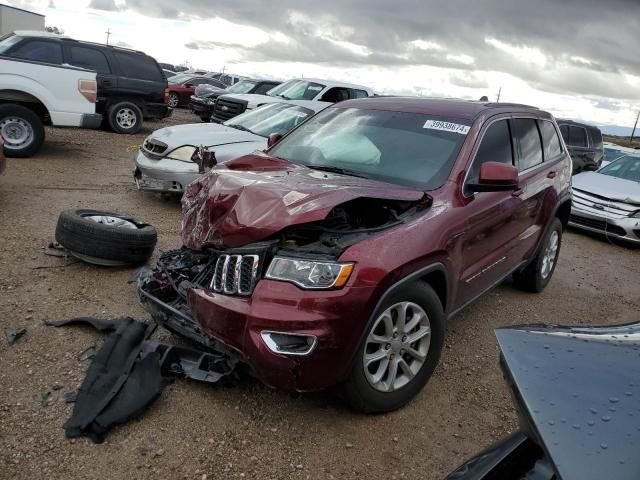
(264, 88)
(577, 136)
(39, 50)
(355, 93)
(135, 65)
(335, 95)
(527, 137)
(495, 146)
(550, 140)
(89, 58)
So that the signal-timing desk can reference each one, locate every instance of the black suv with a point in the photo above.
(204, 99)
(584, 143)
(131, 84)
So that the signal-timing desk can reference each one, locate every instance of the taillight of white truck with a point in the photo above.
(88, 89)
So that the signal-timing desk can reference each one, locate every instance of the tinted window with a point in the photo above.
(39, 50)
(564, 131)
(495, 147)
(134, 65)
(263, 88)
(335, 95)
(525, 131)
(89, 58)
(577, 137)
(359, 93)
(550, 140)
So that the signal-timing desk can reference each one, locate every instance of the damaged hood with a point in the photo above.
(253, 197)
(208, 134)
(615, 188)
(579, 389)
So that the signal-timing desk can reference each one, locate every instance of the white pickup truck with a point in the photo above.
(34, 94)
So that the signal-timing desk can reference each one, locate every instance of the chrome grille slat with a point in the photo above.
(235, 274)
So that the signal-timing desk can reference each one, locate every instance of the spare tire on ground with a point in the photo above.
(105, 238)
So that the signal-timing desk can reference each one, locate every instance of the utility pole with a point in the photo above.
(499, 92)
(108, 32)
(634, 127)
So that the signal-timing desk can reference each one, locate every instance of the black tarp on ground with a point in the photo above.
(119, 384)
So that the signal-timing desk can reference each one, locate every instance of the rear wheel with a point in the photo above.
(173, 100)
(401, 349)
(21, 130)
(535, 276)
(125, 117)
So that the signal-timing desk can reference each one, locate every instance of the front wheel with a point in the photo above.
(21, 130)
(399, 353)
(535, 276)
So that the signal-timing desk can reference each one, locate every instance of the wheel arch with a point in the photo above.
(25, 99)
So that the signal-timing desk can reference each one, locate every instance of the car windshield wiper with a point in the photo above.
(341, 171)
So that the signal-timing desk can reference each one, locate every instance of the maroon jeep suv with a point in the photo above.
(336, 257)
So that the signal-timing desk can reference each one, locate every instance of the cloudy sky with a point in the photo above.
(576, 58)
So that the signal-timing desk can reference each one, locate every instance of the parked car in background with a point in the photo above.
(576, 392)
(131, 84)
(337, 256)
(198, 71)
(227, 78)
(169, 73)
(613, 151)
(202, 101)
(165, 162)
(34, 93)
(228, 106)
(608, 201)
(584, 143)
(181, 88)
(167, 66)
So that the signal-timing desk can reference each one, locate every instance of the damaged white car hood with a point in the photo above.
(207, 134)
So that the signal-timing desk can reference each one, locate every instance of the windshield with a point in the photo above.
(611, 154)
(277, 90)
(411, 149)
(178, 79)
(301, 90)
(243, 86)
(7, 42)
(627, 167)
(272, 118)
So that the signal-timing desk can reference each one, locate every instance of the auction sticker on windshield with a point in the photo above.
(446, 126)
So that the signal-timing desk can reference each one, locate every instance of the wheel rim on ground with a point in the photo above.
(126, 117)
(397, 346)
(16, 132)
(112, 221)
(550, 254)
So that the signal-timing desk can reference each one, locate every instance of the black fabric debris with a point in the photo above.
(15, 335)
(126, 375)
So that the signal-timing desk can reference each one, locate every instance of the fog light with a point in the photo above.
(289, 344)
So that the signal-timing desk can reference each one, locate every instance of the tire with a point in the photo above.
(174, 100)
(21, 130)
(359, 391)
(535, 276)
(205, 119)
(107, 244)
(125, 117)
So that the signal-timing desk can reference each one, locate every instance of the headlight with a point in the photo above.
(310, 274)
(182, 153)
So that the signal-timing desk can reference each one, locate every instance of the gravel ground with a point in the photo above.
(246, 431)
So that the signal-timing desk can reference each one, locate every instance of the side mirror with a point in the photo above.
(496, 177)
(273, 139)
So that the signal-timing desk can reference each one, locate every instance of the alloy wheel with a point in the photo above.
(397, 346)
(550, 254)
(126, 118)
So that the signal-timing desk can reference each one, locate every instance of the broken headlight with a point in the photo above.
(183, 154)
(309, 274)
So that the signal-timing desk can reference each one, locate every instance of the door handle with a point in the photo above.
(106, 83)
(551, 174)
(517, 193)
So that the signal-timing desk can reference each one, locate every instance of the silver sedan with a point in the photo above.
(166, 162)
(608, 201)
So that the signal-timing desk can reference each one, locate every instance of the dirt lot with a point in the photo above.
(246, 431)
